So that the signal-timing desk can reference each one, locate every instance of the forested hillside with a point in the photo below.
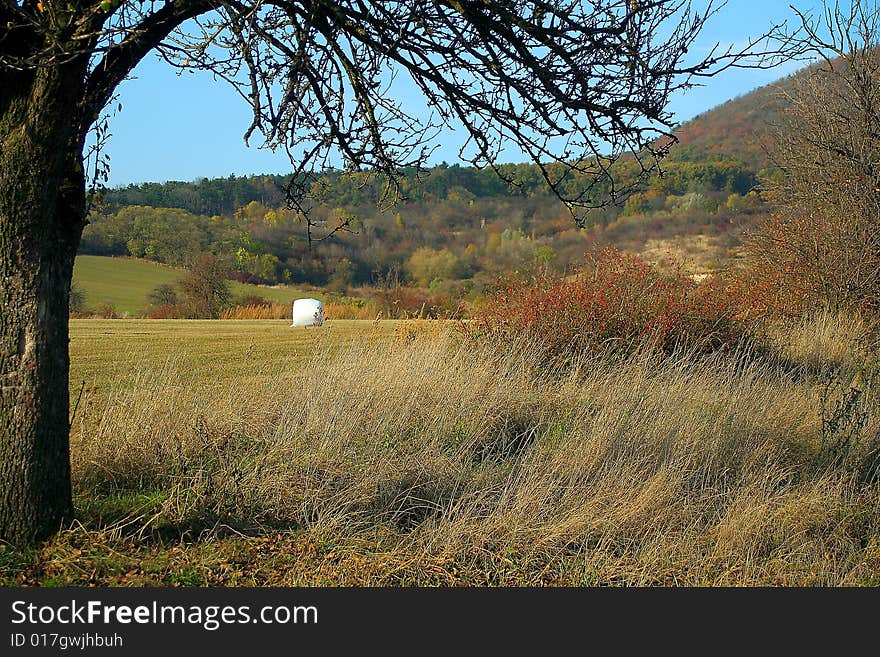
(456, 228)
(465, 218)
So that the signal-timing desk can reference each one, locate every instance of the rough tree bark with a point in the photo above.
(42, 214)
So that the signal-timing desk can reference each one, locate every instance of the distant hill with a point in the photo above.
(739, 129)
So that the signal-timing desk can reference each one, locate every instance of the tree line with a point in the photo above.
(456, 224)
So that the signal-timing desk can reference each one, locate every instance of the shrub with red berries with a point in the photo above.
(615, 301)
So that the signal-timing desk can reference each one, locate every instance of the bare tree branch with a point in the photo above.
(121, 58)
(823, 238)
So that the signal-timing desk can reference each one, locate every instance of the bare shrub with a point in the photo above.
(823, 239)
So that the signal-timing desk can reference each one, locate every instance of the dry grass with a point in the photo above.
(693, 255)
(429, 460)
(332, 310)
(351, 310)
(823, 338)
(262, 311)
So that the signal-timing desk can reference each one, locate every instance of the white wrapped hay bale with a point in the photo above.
(307, 312)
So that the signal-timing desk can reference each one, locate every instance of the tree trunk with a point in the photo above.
(42, 213)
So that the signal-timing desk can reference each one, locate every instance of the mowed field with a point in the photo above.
(114, 354)
(125, 283)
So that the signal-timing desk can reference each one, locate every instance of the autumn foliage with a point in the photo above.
(614, 301)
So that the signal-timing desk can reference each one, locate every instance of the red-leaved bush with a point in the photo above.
(614, 301)
(769, 291)
(167, 311)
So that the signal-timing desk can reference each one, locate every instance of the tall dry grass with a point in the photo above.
(260, 311)
(351, 310)
(438, 453)
(332, 310)
(823, 338)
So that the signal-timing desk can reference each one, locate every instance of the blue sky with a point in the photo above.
(182, 127)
